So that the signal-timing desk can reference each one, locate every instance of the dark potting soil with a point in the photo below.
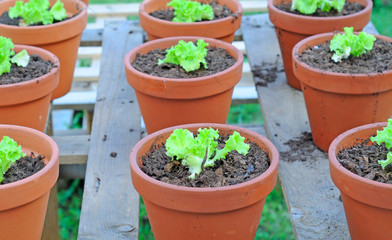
(23, 168)
(349, 8)
(266, 73)
(378, 60)
(218, 60)
(37, 67)
(219, 12)
(362, 160)
(235, 169)
(301, 149)
(5, 19)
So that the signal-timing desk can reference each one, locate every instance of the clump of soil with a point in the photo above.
(235, 169)
(301, 148)
(362, 159)
(37, 67)
(266, 73)
(349, 8)
(218, 60)
(219, 12)
(378, 60)
(23, 168)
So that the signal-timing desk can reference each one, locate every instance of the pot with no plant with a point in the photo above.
(298, 19)
(213, 18)
(199, 183)
(186, 83)
(27, 173)
(28, 76)
(57, 30)
(360, 165)
(346, 81)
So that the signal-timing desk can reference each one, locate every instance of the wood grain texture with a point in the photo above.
(73, 149)
(311, 197)
(110, 208)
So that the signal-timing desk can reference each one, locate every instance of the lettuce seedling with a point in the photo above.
(196, 152)
(8, 56)
(190, 11)
(385, 136)
(187, 55)
(311, 6)
(348, 44)
(9, 153)
(37, 11)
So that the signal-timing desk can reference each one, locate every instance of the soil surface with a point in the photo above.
(349, 8)
(301, 149)
(218, 60)
(219, 12)
(235, 169)
(23, 168)
(5, 19)
(266, 73)
(37, 67)
(362, 160)
(378, 60)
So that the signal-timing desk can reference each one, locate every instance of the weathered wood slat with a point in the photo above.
(73, 149)
(312, 198)
(110, 204)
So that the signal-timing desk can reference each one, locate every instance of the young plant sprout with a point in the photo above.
(196, 152)
(385, 136)
(8, 56)
(9, 153)
(190, 11)
(311, 6)
(348, 44)
(37, 11)
(187, 55)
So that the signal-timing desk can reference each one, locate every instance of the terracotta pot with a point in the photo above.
(292, 28)
(166, 102)
(62, 39)
(23, 203)
(222, 29)
(367, 203)
(177, 212)
(27, 103)
(336, 102)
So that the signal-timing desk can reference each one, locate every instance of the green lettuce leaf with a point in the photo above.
(344, 45)
(21, 59)
(192, 151)
(6, 52)
(385, 136)
(190, 11)
(187, 55)
(9, 153)
(311, 6)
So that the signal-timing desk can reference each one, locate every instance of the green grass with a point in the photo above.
(382, 17)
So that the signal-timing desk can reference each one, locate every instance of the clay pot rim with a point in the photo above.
(143, 12)
(52, 161)
(53, 58)
(216, 42)
(195, 190)
(296, 60)
(272, 7)
(76, 18)
(342, 170)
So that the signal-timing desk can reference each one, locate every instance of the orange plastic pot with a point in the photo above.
(23, 203)
(177, 212)
(336, 102)
(222, 29)
(27, 103)
(166, 102)
(292, 28)
(62, 39)
(367, 203)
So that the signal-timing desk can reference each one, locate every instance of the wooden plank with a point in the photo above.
(311, 197)
(73, 149)
(110, 208)
(132, 9)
